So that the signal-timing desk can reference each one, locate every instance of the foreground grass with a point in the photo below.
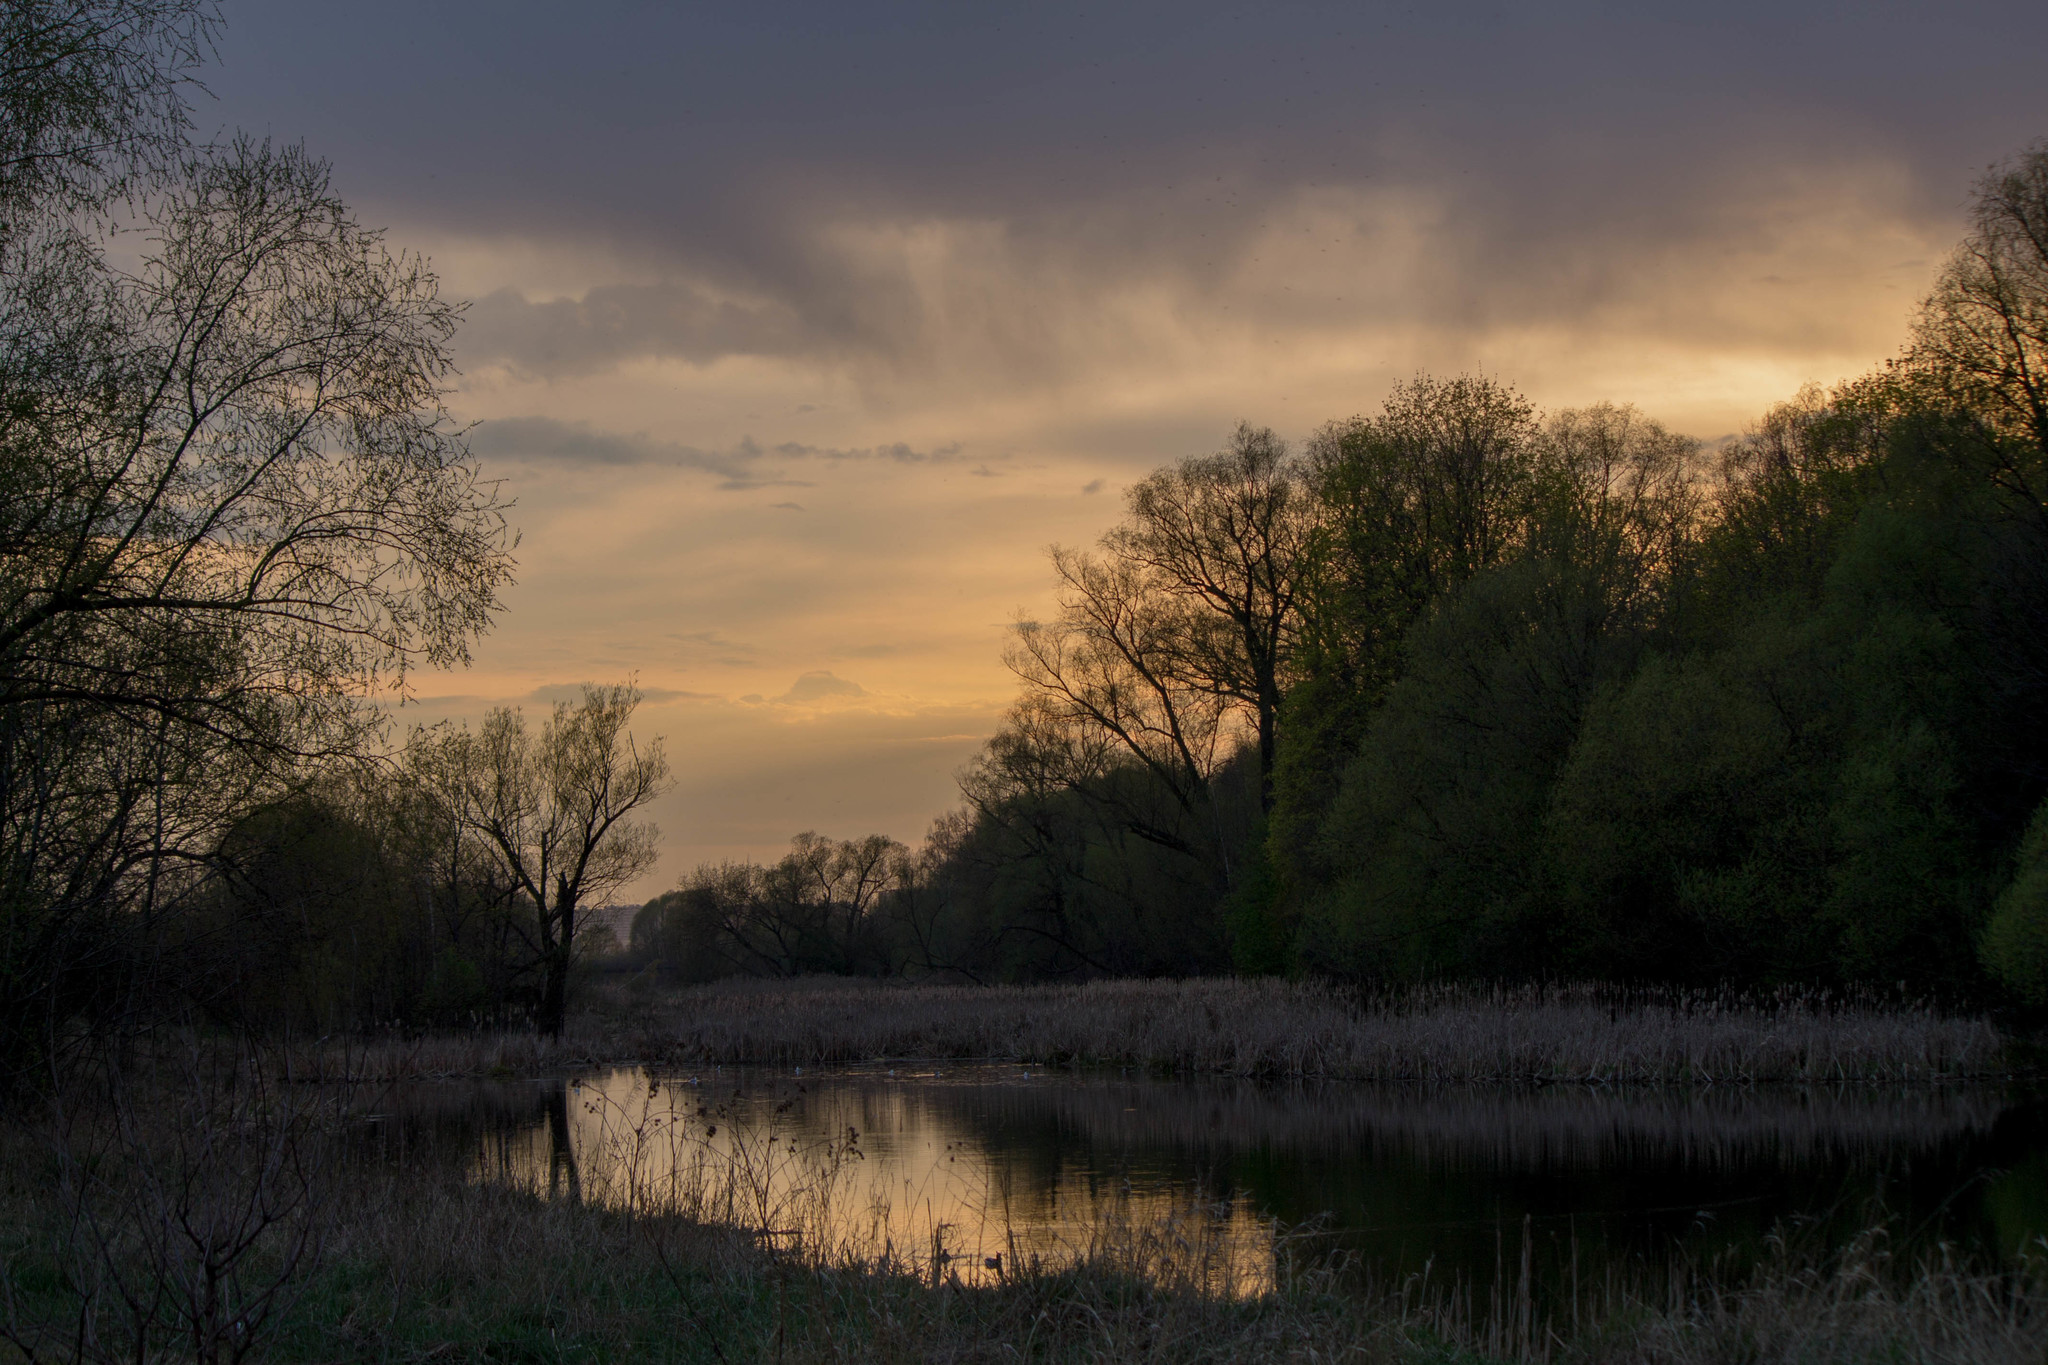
(418, 1269)
(1242, 1027)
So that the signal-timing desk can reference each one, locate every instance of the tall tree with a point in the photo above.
(1109, 676)
(1982, 334)
(1411, 503)
(1225, 534)
(92, 99)
(232, 505)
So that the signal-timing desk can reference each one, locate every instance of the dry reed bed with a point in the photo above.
(1270, 1028)
(1258, 1028)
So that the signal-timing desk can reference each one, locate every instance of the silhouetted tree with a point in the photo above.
(1225, 535)
(551, 808)
(1982, 335)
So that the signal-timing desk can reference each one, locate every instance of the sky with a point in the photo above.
(798, 332)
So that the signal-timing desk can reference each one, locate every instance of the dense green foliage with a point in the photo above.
(1469, 690)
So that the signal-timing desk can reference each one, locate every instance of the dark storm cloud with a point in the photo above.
(714, 140)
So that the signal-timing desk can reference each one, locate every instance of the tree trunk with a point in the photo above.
(1269, 718)
(559, 948)
(554, 992)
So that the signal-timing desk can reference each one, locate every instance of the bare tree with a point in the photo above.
(1619, 495)
(552, 809)
(1982, 335)
(95, 93)
(1114, 662)
(1225, 536)
(818, 908)
(1173, 646)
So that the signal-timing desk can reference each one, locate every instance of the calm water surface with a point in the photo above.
(966, 1163)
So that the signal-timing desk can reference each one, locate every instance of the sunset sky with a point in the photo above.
(799, 331)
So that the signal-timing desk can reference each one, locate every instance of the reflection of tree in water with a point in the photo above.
(513, 1132)
(562, 1173)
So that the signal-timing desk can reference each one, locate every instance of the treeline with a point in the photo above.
(1464, 689)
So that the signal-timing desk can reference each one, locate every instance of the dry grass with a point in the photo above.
(484, 1274)
(1256, 1028)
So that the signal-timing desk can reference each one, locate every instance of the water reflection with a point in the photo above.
(949, 1169)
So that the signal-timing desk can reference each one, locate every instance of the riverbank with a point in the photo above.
(1259, 1027)
(412, 1270)
(219, 1215)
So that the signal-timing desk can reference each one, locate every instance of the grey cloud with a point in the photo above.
(573, 692)
(623, 321)
(582, 443)
(747, 464)
(821, 685)
(897, 452)
(709, 639)
(709, 645)
(786, 506)
(1093, 486)
(547, 694)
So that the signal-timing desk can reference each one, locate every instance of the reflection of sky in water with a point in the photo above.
(976, 1161)
(871, 1169)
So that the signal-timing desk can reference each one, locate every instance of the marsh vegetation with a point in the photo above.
(1255, 1027)
(745, 1218)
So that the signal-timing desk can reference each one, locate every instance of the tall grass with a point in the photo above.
(1258, 1028)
